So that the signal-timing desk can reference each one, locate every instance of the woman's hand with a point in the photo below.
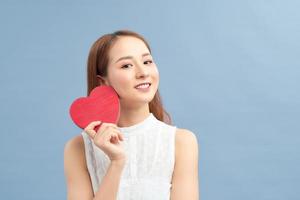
(108, 138)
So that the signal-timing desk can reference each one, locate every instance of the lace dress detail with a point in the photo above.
(150, 150)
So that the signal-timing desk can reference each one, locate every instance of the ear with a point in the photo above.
(102, 80)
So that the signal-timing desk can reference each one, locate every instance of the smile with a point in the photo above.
(146, 85)
(143, 87)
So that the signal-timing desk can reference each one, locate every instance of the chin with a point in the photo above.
(140, 100)
(144, 100)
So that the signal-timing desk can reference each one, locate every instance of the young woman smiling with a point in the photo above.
(143, 156)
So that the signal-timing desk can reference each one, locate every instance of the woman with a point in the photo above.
(142, 156)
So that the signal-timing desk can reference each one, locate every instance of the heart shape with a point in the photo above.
(101, 105)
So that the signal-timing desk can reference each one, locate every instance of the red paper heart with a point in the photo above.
(101, 105)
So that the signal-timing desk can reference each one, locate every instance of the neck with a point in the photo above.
(131, 116)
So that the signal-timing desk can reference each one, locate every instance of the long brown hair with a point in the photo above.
(97, 65)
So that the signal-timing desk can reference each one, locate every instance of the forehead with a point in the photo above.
(127, 46)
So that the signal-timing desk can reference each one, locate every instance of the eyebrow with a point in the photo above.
(130, 57)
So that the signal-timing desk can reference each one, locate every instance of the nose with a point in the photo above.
(141, 71)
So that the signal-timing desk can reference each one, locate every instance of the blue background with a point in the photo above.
(229, 72)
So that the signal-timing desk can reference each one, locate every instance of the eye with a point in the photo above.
(150, 61)
(125, 66)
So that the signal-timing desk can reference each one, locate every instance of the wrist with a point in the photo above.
(119, 162)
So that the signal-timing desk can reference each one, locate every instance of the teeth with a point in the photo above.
(143, 86)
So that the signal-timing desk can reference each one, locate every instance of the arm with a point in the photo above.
(78, 181)
(185, 175)
(110, 183)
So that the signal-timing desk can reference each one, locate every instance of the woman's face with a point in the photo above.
(130, 63)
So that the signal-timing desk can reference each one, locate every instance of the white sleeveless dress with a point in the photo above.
(150, 150)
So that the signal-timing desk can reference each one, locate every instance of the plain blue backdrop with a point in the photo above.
(229, 72)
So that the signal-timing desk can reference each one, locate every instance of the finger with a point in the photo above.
(92, 133)
(108, 135)
(112, 124)
(120, 136)
(102, 130)
(89, 129)
(92, 125)
(109, 125)
(104, 133)
(115, 138)
(104, 126)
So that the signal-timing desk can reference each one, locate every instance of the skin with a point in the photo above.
(125, 74)
(134, 108)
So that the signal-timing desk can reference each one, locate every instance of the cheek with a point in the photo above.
(155, 73)
(120, 81)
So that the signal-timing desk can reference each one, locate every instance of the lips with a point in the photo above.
(145, 83)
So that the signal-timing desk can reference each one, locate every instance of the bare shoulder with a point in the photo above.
(185, 137)
(74, 151)
(75, 141)
(186, 144)
(78, 181)
(185, 175)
